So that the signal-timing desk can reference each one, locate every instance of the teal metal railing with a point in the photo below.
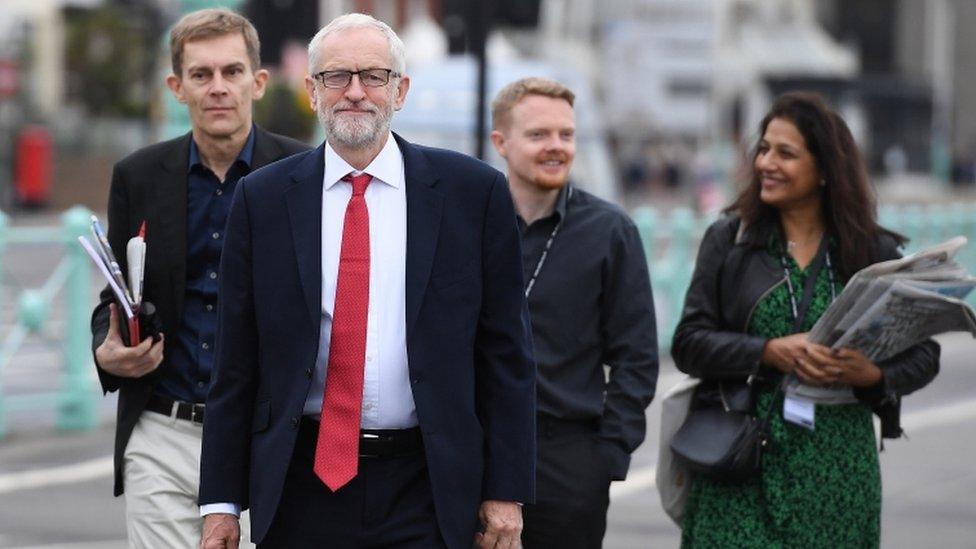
(670, 242)
(76, 397)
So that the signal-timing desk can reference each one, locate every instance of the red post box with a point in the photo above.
(32, 179)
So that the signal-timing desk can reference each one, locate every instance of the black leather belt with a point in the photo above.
(184, 410)
(389, 442)
(374, 442)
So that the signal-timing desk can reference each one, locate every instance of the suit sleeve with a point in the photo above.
(630, 348)
(225, 457)
(118, 223)
(505, 368)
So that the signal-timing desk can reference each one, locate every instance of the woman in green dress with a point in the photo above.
(807, 213)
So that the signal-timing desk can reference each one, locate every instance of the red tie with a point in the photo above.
(337, 448)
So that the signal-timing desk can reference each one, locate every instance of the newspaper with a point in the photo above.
(890, 306)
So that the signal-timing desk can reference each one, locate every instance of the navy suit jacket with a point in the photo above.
(468, 336)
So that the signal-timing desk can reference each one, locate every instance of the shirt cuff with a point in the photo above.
(227, 508)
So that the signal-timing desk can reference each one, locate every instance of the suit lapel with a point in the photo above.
(304, 202)
(266, 149)
(169, 217)
(424, 210)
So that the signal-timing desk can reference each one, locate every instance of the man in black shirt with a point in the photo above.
(590, 301)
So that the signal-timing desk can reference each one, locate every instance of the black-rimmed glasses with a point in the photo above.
(371, 78)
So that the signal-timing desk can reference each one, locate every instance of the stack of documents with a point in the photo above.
(128, 295)
(890, 306)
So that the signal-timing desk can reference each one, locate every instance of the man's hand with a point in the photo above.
(220, 531)
(503, 525)
(117, 359)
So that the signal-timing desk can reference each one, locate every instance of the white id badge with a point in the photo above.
(799, 411)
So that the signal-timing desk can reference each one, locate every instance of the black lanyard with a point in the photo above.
(822, 258)
(542, 258)
(545, 251)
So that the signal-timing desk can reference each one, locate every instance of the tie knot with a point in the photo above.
(359, 182)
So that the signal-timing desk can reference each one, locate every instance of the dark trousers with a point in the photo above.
(572, 485)
(388, 504)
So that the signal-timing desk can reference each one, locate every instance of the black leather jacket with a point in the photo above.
(732, 274)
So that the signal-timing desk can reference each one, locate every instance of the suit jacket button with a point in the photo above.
(294, 423)
(308, 373)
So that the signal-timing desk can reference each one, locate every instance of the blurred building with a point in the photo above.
(918, 82)
(32, 40)
(703, 71)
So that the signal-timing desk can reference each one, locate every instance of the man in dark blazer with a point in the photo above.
(182, 190)
(370, 287)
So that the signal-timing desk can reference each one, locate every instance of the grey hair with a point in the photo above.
(358, 21)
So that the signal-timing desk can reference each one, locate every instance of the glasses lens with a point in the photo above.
(336, 79)
(374, 78)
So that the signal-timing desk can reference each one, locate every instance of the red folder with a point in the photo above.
(133, 325)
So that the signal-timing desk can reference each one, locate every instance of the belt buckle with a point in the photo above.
(196, 413)
(368, 437)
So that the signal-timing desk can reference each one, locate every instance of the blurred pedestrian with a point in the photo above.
(805, 223)
(591, 306)
(374, 383)
(182, 190)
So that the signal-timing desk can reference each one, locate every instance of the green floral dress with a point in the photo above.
(818, 488)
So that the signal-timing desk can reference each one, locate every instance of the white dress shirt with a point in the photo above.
(387, 397)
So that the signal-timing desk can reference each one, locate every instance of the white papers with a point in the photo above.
(100, 263)
(101, 254)
(890, 306)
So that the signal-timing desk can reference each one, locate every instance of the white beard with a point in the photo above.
(356, 131)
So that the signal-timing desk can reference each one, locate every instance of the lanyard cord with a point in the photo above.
(807, 300)
(545, 251)
(789, 282)
(542, 258)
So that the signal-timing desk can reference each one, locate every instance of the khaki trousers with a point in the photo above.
(162, 478)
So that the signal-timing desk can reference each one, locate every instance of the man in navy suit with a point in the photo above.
(374, 383)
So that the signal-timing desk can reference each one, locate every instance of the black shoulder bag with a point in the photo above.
(720, 438)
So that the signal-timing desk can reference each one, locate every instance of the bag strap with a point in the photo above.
(764, 420)
(800, 311)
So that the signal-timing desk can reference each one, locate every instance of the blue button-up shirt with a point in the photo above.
(191, 352)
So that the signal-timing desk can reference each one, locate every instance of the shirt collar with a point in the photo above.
(245, 156)
(560, 208)
(386, 167)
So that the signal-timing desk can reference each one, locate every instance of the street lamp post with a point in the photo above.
(941, 39)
